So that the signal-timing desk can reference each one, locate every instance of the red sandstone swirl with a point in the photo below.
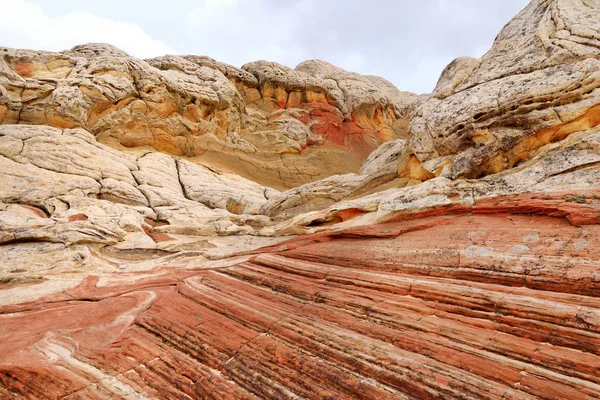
(457, 306)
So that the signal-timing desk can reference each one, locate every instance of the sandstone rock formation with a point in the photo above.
(265, 121)
(537, 85)
(181, 228)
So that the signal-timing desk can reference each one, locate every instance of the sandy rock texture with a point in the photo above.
(536, 86)
(179, 228)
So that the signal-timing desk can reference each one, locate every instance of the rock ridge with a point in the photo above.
(260, 116)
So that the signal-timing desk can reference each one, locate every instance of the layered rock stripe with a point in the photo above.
(181, 228)
(460, 306)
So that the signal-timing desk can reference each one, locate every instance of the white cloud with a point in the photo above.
(24, 25)
(408, 43)
(239, 31)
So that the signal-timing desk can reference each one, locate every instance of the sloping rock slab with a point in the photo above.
(463, 305)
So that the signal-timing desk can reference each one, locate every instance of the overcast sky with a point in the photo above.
(405, 41)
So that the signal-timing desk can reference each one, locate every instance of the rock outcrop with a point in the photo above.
(276, 125)
(538, 84)
(463, 305)
(182, 228)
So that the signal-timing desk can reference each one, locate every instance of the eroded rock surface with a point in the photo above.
(265, 121)
(485, 306)
(165, 231)
(538, 84)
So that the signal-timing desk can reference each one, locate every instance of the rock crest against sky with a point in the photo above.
(406, 42)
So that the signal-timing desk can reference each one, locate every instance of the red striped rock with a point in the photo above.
(485, 306)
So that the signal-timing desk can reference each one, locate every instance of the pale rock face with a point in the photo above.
(563, 170)
(453, 75)
(379, 172)
(434, 246)
(62, 186)
(288, 136)
(224, 191)
(387, 155)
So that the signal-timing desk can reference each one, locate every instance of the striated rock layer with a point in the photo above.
(456, 306)
(178, 228)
